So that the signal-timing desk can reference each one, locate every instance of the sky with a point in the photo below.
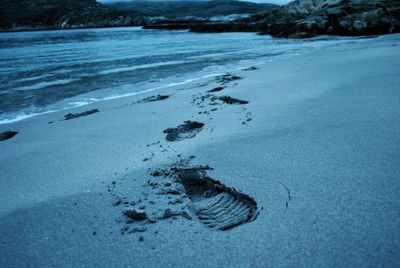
(279, 2)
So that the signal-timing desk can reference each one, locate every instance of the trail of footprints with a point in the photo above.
(211, 100)
(184, 191)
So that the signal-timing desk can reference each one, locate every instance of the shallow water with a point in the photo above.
(47, 71)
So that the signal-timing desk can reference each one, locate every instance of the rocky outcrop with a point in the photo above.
(308, 18)
(305, 18)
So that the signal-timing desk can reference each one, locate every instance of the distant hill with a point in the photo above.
(176, 9)
(56, 14)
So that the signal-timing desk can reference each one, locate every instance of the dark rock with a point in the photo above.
(7, 135)
(359, 25)
(167, 213)
(312, 22)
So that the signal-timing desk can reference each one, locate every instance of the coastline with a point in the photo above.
(319, 155)
(20, 109)
(44, 29)
(138, 93)
(103, 74)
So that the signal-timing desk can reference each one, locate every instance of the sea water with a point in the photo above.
(47, 71)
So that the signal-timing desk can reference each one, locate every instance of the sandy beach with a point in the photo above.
(312, 139)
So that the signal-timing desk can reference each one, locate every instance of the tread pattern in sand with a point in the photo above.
(216, 205)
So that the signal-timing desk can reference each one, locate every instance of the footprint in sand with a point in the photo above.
(216, 205)
(217, 89)
(185, 131)
(7, 135)
(186, 192)
(227, 78)
(154, 98)
(230, 100)
(77, 115)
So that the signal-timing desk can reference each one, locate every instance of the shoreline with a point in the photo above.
(196, 76)
(312, 139)
(67, 29)
(143, 92)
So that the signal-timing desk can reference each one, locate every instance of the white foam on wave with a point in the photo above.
(33, 78)
(46, 84)
(74, 104)
(23, 116)
(78, 103)
(187, 81)
(144, 66)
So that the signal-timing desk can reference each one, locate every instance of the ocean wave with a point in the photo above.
(33, 78)
(144, 66)
(22, 116)
(73, 104)
(46, 84)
